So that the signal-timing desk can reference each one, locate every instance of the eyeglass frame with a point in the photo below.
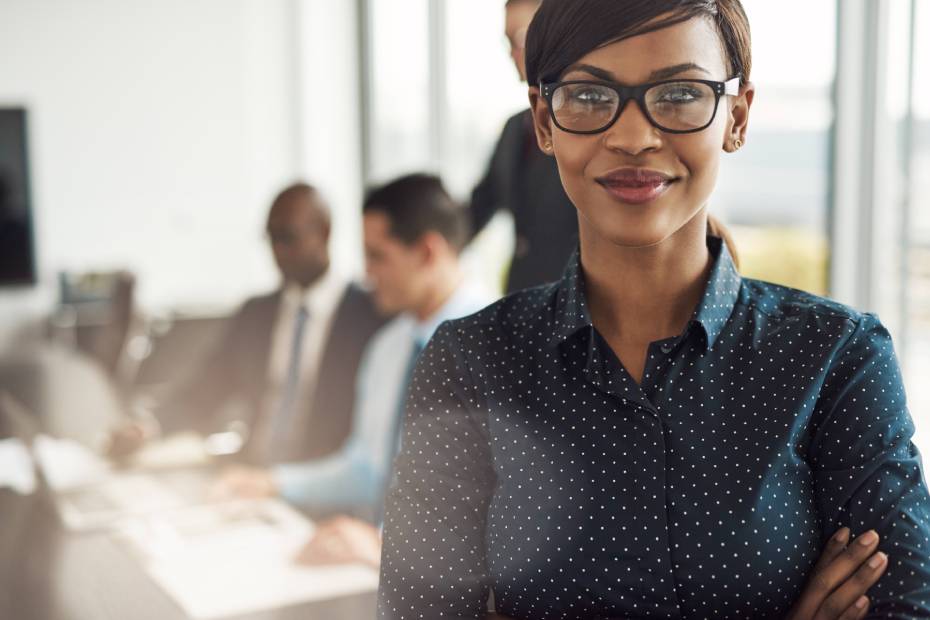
(638, 93)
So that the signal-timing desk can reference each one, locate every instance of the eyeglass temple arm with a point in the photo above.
(731, 86)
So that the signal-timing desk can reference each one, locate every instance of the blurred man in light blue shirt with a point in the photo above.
(413, 234)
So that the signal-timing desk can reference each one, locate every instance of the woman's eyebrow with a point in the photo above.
(658, 74)
(667, 72)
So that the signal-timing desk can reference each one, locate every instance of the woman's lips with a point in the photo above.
(635, 185)
(636, 193)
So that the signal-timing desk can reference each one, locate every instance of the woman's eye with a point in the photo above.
(679, 95)
(590, 96)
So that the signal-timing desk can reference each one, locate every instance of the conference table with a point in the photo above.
(50, 573)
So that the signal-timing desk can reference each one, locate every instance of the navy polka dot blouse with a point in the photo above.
(535, 468)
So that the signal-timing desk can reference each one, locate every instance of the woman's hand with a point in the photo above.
(836, 587)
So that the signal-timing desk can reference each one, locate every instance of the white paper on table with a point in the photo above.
(67, 464)
(16, 467)
(175, 451)
(224, 560)
(91, 494)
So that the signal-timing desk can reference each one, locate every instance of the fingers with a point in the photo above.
(847, 562)
(854, 588)
(832, 573)
(832, 549)
(857, 610)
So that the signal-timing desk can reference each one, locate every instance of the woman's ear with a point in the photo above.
(738, 122)
(542, 123)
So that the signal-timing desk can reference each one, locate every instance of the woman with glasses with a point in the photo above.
(654, 435)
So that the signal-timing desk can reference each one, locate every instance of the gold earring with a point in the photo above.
(548, 146)
(737, 145)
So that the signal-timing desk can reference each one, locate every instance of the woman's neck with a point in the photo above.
(638, 295)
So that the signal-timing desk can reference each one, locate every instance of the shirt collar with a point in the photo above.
(711, 313)
(468, 298)
(319, 295)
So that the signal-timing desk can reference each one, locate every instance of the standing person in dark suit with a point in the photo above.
(524, 180)
(288, 358)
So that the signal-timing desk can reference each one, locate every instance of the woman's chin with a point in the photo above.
(630, 237)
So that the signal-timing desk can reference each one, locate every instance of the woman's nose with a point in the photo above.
(632, 132)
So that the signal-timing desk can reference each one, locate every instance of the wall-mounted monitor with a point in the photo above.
(17, 242)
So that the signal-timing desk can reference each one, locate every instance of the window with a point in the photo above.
(915, 343)
(399, 103)
(774, 193)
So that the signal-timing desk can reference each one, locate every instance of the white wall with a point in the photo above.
(159, 133)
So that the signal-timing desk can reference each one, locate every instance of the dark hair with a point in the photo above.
(416, 204)
(563, 31)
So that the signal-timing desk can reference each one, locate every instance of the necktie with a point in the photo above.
(289, 390)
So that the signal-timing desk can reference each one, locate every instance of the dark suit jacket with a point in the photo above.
(524, 180)
(237, 369)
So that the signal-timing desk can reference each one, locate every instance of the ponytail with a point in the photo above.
(715, 228)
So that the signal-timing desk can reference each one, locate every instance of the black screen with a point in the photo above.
(17, 256)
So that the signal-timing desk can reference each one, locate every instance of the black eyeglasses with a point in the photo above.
(673, 106)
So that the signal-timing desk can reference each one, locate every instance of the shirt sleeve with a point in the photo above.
(343, 481)
(354, 476)
(868, 473)
(433, 561)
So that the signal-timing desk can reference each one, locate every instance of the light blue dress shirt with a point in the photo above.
(356, 475)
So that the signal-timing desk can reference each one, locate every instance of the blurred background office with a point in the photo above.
(141, 144)
(158, 133)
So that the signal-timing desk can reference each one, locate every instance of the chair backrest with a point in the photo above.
(96, 316)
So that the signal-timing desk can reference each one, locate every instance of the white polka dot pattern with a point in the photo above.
(533, 465)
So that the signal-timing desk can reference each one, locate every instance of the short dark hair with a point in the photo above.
(416, 204)
(563, 31)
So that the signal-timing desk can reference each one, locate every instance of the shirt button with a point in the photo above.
(667, 347)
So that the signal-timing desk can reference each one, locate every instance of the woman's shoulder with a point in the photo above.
(778, 300)
(512, 314)
(820, 318)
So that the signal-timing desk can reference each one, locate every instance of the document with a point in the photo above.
(17, 471)
(230, 559)
(67, 464)
(91, 494)
(179, 450)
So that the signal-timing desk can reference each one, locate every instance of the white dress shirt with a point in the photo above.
(321, 301)
(355, 475)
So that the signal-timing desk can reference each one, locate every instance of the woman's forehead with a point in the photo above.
(636, 59)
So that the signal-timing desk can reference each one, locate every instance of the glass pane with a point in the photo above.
(474, 116)
(774, 192)
(916, 343)
(399, 81)
(476, 46)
